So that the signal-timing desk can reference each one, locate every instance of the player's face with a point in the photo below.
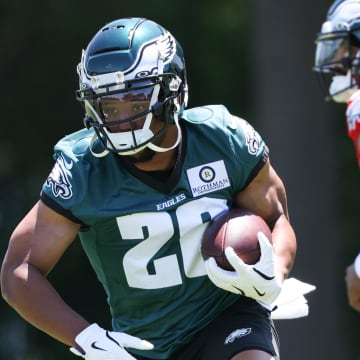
(118, 109)
(333, 52)
(337, 54)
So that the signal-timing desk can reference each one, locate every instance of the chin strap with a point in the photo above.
(177, 142)
(92, 142)
(149, 145)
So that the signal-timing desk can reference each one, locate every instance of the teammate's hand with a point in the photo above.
(256, 281)
(96, 343)
(353, 287)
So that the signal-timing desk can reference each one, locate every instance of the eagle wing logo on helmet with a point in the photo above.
(167, 47)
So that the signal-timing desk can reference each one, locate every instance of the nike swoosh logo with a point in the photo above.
(94, 346)
(264, 276)
(259, 292)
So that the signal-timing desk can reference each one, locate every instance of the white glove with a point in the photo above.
(100, 344)
(291, 303)
(256, 281)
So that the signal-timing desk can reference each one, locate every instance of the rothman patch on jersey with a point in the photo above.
(208, 178)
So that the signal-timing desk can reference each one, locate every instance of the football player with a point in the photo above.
(139, 184)
(337, 63)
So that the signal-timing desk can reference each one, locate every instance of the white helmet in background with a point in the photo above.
(337, 57)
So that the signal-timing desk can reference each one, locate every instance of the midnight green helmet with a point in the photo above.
(132, 71)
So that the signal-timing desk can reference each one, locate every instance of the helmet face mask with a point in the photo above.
(132, 75)
(333, 54)
(122, 119)
(337, 53)
(334, 61)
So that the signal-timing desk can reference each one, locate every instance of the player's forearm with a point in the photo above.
(284, 242)
(34, 298)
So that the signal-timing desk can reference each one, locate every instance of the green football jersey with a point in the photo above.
(142, 234)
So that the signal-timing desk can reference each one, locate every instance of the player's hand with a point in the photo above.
(353, 287)
(96, 343)
(256, 281)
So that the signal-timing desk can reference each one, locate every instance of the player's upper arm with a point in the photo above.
(265, 195)
(40, 239)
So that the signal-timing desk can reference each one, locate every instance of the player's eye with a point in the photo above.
(137, 108)
(111, 111)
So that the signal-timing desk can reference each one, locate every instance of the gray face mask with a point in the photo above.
(342, 87)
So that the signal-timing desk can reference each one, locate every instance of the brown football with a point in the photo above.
(237, 228)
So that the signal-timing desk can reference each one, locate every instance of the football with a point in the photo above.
(237, 228)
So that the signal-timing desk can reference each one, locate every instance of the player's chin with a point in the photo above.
(142, 156)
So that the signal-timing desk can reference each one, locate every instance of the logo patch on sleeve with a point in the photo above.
(253, 142)
(237, 334)
(208, 178)
(58, 180)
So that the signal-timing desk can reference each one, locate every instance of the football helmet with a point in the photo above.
(337, 55)
(132, 72)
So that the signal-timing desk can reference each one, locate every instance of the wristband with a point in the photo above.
(357, 266)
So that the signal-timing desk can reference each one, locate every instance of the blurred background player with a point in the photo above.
(337, 64)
